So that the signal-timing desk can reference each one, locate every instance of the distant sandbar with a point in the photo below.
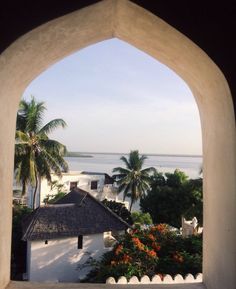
(77, 155)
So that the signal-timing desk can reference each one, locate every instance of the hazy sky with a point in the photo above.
(115, 98)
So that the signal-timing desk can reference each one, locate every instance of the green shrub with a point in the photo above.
(119, 209)
(156, 250)
(141, 218)
(172, 196)
(51, 199)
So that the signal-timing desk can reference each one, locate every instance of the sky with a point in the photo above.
(116, 98)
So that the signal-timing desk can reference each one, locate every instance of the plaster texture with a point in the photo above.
(83, 182)
(34, 52)
(58, 260)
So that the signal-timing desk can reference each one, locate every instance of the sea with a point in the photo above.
(106, 162)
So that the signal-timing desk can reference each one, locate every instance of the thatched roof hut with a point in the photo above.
(77, 213)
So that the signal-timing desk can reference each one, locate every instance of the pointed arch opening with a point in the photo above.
(37, 50)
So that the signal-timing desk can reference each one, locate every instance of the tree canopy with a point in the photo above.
(140, 218)
(119, 209)
(171, 196)
(36, 155)
(133, 180)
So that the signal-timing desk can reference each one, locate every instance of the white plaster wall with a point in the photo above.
(84, 182)
(58, 260)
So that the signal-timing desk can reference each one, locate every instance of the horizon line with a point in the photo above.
(149, 154)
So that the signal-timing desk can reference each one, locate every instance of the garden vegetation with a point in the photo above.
(156, 250)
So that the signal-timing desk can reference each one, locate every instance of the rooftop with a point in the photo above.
(78, 213)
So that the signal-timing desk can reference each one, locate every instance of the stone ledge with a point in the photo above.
(33, 285)
(156, 279)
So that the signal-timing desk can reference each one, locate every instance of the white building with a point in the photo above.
(100, 185)
(62, 237)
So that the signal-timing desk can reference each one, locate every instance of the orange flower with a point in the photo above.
(153, 229)
(127, 259)
(134, 231)
(151, 253)
(135, 240)
(141, 247)
(178, 257)
(181, 259)
(151, 237)
(161, 228)
(155, 246)
(138, 244)
(118, 250)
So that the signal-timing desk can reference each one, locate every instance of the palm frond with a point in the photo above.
(52, 125)
(127, 163)
(32, 113)
(121, 170)
(22, 137)
(149, 170)
(132, 180)
(35, 154)
(61, 163)
(53, 146)
(126, 190)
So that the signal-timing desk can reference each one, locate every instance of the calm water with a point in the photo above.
(106, 162)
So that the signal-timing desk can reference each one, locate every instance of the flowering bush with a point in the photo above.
(155, 250)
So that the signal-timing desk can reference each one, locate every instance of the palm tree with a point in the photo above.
(132, 180)
(36, 155)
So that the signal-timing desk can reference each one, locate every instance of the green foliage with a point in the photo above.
(18, 249)
(194, 187)
(186, 252)
(60, 188)
(133, 180)
(177, 179)
(51, 199)
(171, 196)
(141, 218)
(119, 209)
(156, 250)
(35, 154)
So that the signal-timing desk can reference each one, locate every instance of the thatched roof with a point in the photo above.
(78, 213)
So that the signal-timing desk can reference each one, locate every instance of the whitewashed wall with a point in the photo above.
(58, 260)
(84, 182)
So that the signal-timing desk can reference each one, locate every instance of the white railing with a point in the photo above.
(156, 279)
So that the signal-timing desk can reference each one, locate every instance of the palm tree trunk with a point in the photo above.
(133, 196)
(131, 204)
(23, 188)
(35, 191)
(124, 196)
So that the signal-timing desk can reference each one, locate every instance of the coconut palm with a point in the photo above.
(36, 155)
(132, 180)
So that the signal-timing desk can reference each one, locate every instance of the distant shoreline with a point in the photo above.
(89, 154)
(77, 155)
